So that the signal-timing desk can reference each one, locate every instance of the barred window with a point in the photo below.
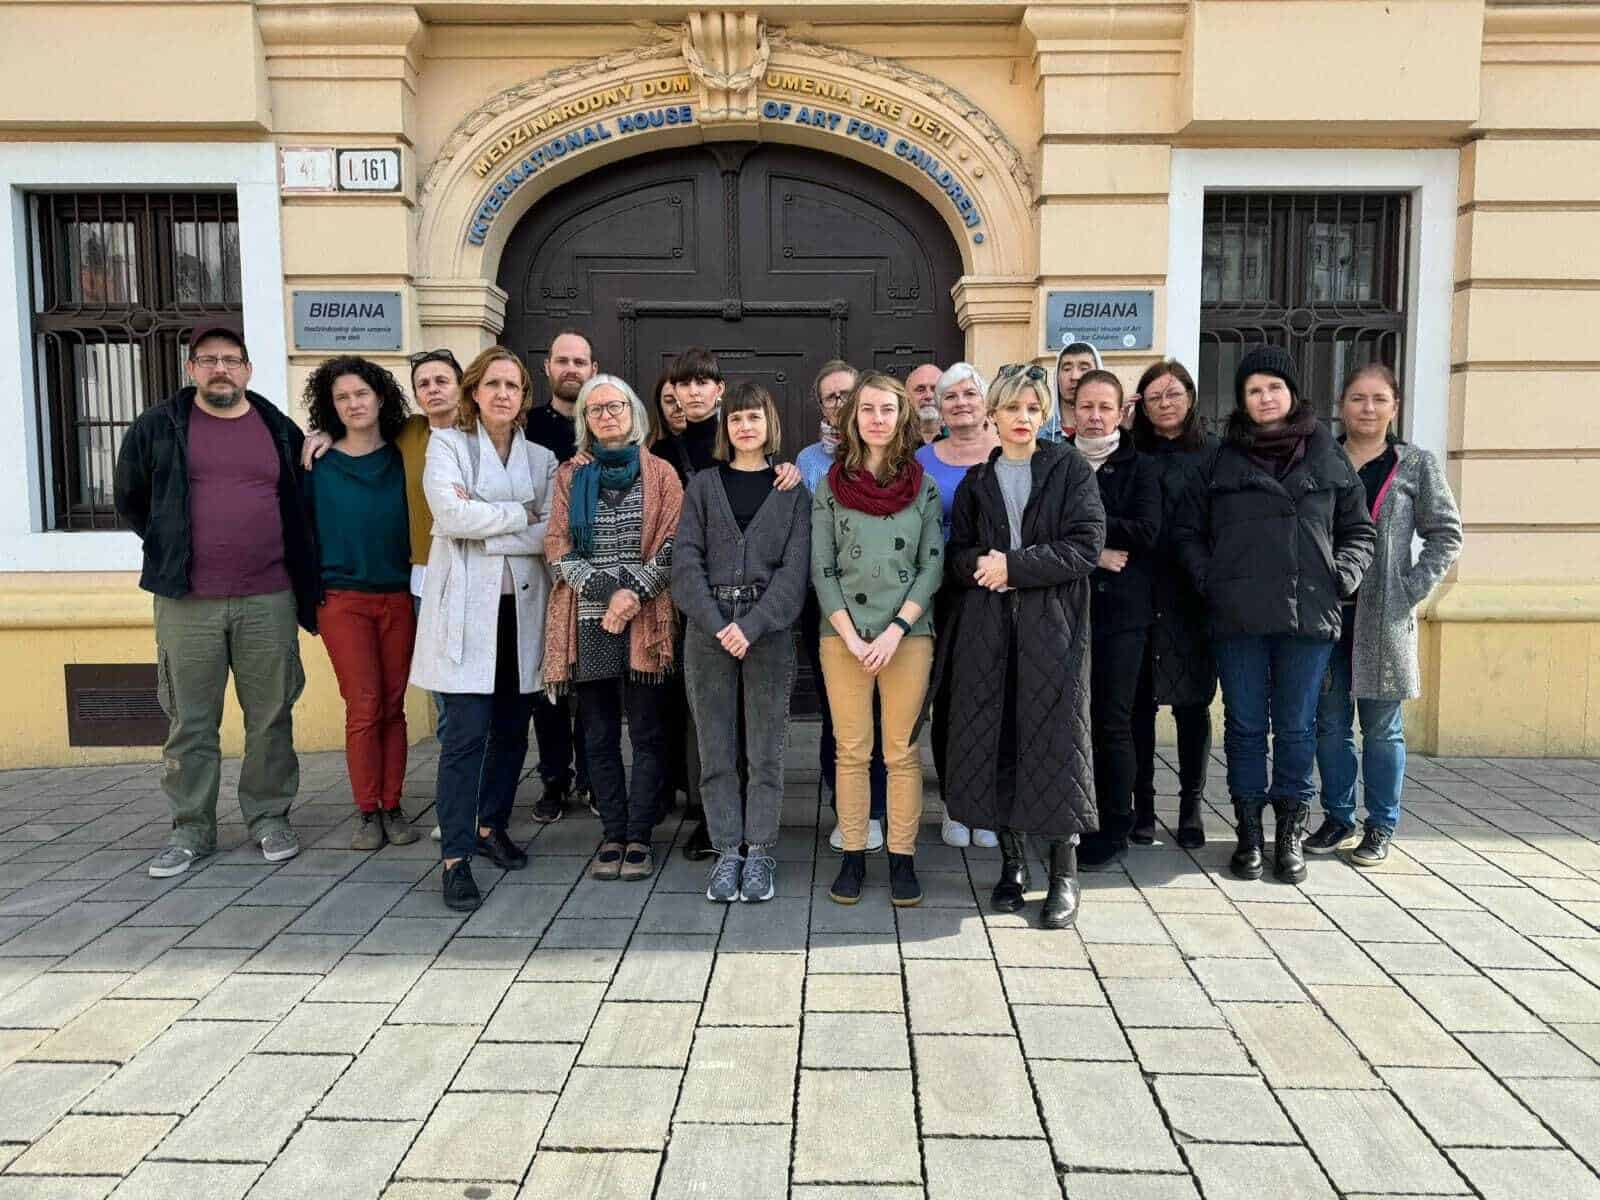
(1321, 274)
(118, 279)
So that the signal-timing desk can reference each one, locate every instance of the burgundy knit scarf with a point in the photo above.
(860, 491)
(1277, 450)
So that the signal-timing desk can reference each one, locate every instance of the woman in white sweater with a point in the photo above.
(480, 632)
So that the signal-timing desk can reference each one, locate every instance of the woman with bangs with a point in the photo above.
(1025, 536)
(480, 638)
(877, 557)
(739, 571)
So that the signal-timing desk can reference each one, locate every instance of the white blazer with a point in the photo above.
(474, 542)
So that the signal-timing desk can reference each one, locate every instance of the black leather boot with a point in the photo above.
(1061, 901)
(846, 888)
(1014, 880)
(904, 890)
(1191, 826)
(1289, 839)
(1144, 821)
(1246, 862)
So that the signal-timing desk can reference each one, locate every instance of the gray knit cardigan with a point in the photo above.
(1418, 504)
(774, 552)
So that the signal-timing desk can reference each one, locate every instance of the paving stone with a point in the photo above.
(726, 1160)
(515, 1067)
(664, 967)
(1246, 979)
(1373, 919)
(1026, 947)
(1053, 985)
(515, 912)
(867, 1040)
(616, 1175)
(1237, 1172)
(1485, 941)
(608, 933)
(1189, 1052)
(561, 965)
(325, 1029)
(442, 997)
(963, 1168)
(251, 1114)
(1389, 1028)
(956, 997)
(740, 1076)
(1469, 1004)
(1164, 900)
(15, 972)
(186, 906)
(1466, 1108)
(1527, 1174)
(942, 933)
(640, 1035)
(253, 998)
(164, 1180)
(1568, 1106)
(1120, 1131)
(1530, 913)
(1367, 1142)
(175, 1071)
(853, 954)
(1138, 962)
(400, 1074)
(1414, 892)
(1406, 958)
(833, 1143)
(1295, 1045)
(371, 978)
(301, 953)
(488, 1137)
(848, 993)
(16, 1043)
(592, 899)
(1585, 1036)
(873, 915)
(1162, 1003)
(34, 1095)
(181, 974)
(74, 927)
(349, 908)
(53, 1000)
(612, 1109)
(299, 891)
(83, 1145)
(682, 912)
(409, 935)
(1315, 956)
(1552, 995)
(1121, 923)
(337, 1158)
(1582, 956)
(1056, 1031)
(111, 1031)
(754, 989)
(1107, 1186)
(545, 1012)
(1203, 935)
(778, 926)
(1530, 1056)
(1217, 1108)
(249, 928)
(1283, 916)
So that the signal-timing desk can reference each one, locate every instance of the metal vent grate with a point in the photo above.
(114, 704)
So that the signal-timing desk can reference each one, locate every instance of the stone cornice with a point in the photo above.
(354, 31)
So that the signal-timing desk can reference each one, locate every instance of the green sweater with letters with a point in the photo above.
(870, 566)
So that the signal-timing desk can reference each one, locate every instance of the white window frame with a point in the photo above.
(250, 169)
(1429, 176)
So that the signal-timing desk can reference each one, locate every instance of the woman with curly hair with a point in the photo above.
(357, 498)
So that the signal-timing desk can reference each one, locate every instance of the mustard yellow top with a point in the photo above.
(412, 442)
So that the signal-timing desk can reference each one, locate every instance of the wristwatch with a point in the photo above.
(900, 621)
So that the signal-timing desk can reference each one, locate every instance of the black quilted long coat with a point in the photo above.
(1182, 668)
(1063, 532)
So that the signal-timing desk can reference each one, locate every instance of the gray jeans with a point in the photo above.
(714, 678)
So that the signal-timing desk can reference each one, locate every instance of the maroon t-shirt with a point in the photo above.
(236, 529)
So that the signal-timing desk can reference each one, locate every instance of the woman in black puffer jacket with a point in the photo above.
(1282, 538)
(1179, 669)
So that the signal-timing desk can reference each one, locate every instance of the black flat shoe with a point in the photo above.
(1101, 852)
(904, 890)
(846, 887)
(460, 888)
(698, 846)
(501, 851)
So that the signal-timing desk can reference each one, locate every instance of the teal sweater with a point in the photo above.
(363, 530)
(870, 566)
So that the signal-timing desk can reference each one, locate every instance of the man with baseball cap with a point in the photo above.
(208, 480)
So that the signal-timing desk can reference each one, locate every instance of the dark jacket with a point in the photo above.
(1183, 671)
(1275, 556)
(1063, 532)
(152, 496)
(1130, 490)
(548, 428)
(774, 552)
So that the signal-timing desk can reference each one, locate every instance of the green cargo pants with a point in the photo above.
(199, 640)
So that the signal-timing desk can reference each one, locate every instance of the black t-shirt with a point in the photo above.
(692, 450)
(553, 431)
(1375, 472)
(746, 491)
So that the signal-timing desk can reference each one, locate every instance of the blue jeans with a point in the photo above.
(1383, 749)
(482, 746)
(1271, 683)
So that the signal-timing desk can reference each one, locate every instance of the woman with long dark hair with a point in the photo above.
(1179, 669)
(357, 498)
(1281, 541)
(1374, 668)
(877, 556)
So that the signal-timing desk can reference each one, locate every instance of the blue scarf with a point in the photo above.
(614, 470)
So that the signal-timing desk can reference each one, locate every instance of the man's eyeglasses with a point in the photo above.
(228, 362)
(611, 408)
(1032, 371)
(439, 355)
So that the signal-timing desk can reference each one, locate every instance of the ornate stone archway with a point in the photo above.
(726, 76)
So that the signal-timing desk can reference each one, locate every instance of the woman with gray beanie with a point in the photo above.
(1279, 542)
(1374, 667)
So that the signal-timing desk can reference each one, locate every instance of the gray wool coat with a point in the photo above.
(1384, 659)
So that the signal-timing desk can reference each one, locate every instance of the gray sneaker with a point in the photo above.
(173, 860)
(279, 845)
(724, 885)
(760, 877)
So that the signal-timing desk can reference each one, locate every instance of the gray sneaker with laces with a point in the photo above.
(760, 871)
(724, 885)
(173, 860)
(279, 845)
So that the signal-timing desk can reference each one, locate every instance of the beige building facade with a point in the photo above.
(1411, 180)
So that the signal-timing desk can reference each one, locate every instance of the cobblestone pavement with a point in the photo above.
(324, 1028)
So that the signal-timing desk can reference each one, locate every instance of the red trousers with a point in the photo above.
(369, 637)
